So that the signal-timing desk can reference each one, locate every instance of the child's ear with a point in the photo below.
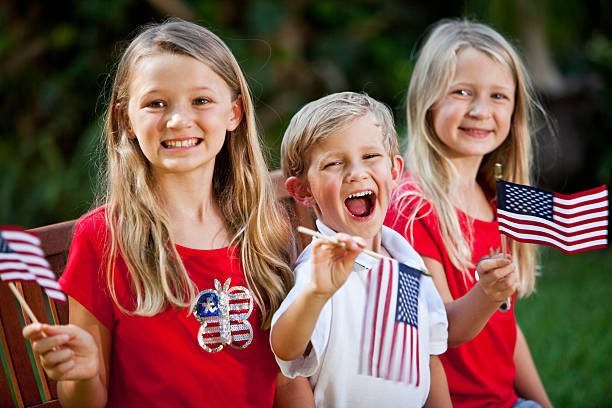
(236, 116)
(397, 166)
(122, 117)
(299, 190)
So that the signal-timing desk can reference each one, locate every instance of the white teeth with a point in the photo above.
(363, 193)
(180, 143)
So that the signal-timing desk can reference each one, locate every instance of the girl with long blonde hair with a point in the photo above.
(188, 258)
(470, 105)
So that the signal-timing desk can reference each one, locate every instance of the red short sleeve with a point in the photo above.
(84, 276)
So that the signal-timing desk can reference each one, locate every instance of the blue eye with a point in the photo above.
(498, 96)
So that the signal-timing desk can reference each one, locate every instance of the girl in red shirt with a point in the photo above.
(471, 105)
(173, 282)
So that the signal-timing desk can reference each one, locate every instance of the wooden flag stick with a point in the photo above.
(22, 302)
(331, 240)
(498, 175)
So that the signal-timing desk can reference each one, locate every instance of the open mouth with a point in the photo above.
(181, 143)
(360, 204)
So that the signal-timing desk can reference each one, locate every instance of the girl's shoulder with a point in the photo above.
(92, 224)
(409, 195)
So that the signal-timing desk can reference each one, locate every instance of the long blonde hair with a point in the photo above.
(138, 223)
(425, 158)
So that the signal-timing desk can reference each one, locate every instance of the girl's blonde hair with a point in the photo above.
(139, 225)
(425, 158)
(330, 114)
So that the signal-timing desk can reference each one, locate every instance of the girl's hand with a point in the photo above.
(332, 263)
(497, 277)
(66, 353)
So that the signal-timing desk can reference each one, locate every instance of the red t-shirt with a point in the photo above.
(481, 371)
(157, 361)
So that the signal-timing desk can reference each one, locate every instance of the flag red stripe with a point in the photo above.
(580, 194)
(404, 351)
(549, 231)
(418, 374)
(602, 233)
(535, 240)
(601, 200)
(579, 223)
(385, 312)
(503, 220)
(403, 359)
(579, 213)
(391, 354)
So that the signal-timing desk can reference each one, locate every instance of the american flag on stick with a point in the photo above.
(571, 223)
(22, 259)
(390, 337)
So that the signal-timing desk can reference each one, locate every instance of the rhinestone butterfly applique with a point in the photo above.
(223, 313)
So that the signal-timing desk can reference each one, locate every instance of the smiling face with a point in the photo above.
(180, 110)
(475, 115)
(349, 179)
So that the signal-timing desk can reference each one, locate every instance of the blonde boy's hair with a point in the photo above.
(330, 114)
(426, 155)
(139, 225)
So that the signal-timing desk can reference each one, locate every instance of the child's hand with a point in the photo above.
(497, 277)
(332, 263)
(66, 353)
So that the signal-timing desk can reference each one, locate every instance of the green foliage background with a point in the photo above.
(55, 57)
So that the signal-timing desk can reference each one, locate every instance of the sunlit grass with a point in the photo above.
(568, 324)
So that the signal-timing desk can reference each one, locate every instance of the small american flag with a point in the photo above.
(571, 223)
(390, 338)
(21, 258)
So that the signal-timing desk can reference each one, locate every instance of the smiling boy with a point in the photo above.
(340, 157)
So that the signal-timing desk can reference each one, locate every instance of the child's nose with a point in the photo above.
(480, 109)
(179, 118)
(356, 172)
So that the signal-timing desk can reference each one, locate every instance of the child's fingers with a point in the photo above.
(351, 243)
(486, 265)
(44, 344)
(58, 372)
(55, 357)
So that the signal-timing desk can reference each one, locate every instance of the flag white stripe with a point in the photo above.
(567, 230)
(48, 283)
(580, 218)
(38, 271)
(576, 210)
(8, 276)
(7, 266)
(569, 248)
(57, 295)
(26, 259)
(10, 235)
(573, 238)
(27, 248)
(582, 199)
(523, 217)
